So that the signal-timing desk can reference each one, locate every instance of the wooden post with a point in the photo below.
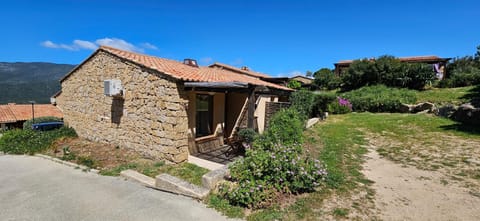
(251, 107)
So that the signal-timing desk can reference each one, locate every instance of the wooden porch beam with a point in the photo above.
(251, 107)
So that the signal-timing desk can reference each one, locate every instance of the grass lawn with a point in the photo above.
(446, 95)
(342, 140)
(186, 171)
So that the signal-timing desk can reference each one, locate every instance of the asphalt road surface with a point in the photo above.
(32, 188)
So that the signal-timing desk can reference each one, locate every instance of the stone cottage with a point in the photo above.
(161, 108)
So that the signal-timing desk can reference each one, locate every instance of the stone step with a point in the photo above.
(204, 163)
(138, 177)
(176, 185)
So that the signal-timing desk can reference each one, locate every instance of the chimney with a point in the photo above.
(190, 62)
(245, 68)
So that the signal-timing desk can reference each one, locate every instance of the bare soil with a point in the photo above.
(104, 156)
(407, 193)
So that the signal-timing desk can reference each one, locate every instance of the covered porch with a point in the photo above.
(218, 110)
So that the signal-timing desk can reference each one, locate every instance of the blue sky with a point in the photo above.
(274, 37)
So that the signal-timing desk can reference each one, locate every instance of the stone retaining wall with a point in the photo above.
(149, 118)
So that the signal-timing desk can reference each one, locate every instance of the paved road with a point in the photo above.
(32, 188)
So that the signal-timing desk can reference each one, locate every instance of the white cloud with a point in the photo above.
(81, 44)
(147, 45)
(78, 44)
(50, 44)
(119, 43)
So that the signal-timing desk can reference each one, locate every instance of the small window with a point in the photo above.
(204, 115)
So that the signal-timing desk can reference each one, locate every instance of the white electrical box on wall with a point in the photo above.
(112, 87)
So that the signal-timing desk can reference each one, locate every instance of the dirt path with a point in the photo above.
(407, 193)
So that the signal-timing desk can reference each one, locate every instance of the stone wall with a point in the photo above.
(272, 108)
(149, 118)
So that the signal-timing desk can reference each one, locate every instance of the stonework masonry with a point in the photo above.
(149, 118)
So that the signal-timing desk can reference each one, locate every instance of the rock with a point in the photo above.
(447, 110)
(405, 108)
(212, 178)
(176, 185)
(427, 106)
(312, 122)
(467, 114)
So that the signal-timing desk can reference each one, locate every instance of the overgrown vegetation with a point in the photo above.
(463, 71)
(274, 166)
(31, 142)
(379, 98)
(389, 71)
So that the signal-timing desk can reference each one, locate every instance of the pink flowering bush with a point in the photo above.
(340, 106)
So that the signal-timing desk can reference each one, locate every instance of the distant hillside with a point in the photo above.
(21, 82)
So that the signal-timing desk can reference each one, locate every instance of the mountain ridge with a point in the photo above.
(22, 82)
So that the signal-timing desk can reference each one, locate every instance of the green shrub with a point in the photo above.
(303, 101)
(340, 106)
(274, 165)
(263, 174)
(294, 84)
(379, 98)
(28, 123)
(31, 142)
(248, 135)
(389, 71)
(325, 79)
(286, 127)
(321, 102)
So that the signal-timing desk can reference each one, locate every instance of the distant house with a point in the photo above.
(161, 108)
(14, 115)
(305, 81)
(438, 64)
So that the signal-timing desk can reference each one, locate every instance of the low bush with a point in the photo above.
(285, 127)
(340, 106)
(379, 98)
(265, 173)
(274, 166)
(28, 124)
(248, 135)
(321, 102)
(31, 142)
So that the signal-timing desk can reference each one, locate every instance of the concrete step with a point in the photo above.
(138, 177)
(173, 184)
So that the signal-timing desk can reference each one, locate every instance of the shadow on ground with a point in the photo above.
(474, 96)
(470, 129)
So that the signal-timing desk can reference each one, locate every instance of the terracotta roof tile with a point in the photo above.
(232, 68)
(6, 115)
(184, 72)
(21, 112)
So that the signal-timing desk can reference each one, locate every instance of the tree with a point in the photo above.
(309, 74)
(294, 84)
(325, 79)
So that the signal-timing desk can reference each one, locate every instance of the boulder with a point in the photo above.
(467, 114)
(427, 106)
(212, 178)
(447, 110)
(405, 108)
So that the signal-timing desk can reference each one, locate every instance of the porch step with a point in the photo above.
(204, 163)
